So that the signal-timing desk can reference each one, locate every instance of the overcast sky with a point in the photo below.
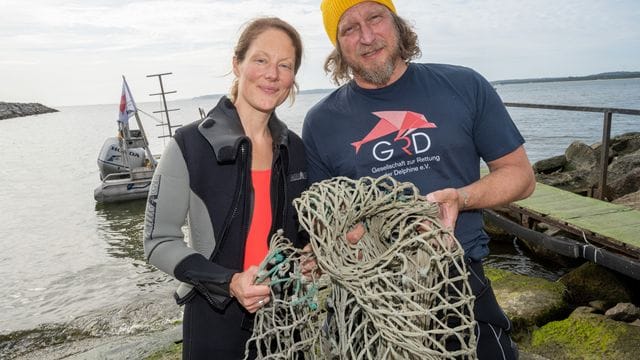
(63, 52)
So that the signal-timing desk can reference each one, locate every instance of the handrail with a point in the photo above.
(576, 108)
(606, 132)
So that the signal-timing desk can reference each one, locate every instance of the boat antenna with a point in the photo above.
(165, 109)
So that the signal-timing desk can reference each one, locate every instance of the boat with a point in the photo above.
(125, 161)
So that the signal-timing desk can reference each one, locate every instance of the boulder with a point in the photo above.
(599, 306)
(591, 282)
(585, 335)
(578, 181)
(580, 156)
(578, 170)
(626, 143)
(550, 165)
(623, 312)
(631, 200)
(625, 184)
(528, 301)
(621, 145)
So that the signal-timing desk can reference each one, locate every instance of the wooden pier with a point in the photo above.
(609, 233)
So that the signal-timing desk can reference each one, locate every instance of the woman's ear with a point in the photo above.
(235, 66)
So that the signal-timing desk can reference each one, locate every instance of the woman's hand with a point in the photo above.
(308, 263)
(250, 295)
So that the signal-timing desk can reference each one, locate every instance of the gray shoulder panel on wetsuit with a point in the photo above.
(170, 198)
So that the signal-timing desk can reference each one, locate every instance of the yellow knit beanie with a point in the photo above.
(332, 10)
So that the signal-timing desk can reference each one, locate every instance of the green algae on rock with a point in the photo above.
(585, 335)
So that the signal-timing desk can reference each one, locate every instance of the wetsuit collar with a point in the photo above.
(223, 130)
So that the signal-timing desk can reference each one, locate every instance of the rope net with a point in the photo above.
(400, 292)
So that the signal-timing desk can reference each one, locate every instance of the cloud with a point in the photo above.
(84, 46)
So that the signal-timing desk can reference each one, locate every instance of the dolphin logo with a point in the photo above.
(403, 122)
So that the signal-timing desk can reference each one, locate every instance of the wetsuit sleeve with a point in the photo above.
(316, 168)
(164, 245)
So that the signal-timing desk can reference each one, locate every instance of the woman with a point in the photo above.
(233, 176)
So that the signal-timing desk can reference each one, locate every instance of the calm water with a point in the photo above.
(65, 256)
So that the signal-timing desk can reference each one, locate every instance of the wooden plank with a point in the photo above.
(617, 222)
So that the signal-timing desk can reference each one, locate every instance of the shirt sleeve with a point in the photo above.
(495, 134)
(317, 169)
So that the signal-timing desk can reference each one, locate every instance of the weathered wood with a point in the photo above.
(606, 224)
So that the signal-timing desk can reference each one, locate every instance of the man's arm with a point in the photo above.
(510, 179)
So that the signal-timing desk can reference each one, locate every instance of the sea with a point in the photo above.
(66, 257)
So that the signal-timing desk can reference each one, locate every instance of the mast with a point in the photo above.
(165, 109)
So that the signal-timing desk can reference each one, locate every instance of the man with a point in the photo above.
(429, 124)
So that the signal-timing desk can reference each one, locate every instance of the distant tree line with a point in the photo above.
(601, 76)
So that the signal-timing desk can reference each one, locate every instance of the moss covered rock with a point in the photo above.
(593, 282)
(585, 335)
(528, 301)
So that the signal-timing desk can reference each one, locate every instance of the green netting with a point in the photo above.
(401, 292)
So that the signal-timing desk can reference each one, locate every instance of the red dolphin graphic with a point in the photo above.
(404, 122)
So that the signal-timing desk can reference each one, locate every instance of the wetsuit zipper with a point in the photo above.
(238, 196)
(277, 204)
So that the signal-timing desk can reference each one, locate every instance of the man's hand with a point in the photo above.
(355, 233)
(449, 202)
(250, 295)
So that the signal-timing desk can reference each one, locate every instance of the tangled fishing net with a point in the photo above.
(400, 292)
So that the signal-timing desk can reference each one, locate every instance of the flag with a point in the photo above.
(127, 105)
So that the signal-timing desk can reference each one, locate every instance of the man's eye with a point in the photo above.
(348, 30)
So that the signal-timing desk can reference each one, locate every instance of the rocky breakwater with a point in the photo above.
(11, 110)
(578, 169)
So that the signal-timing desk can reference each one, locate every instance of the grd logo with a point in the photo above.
(402, 122)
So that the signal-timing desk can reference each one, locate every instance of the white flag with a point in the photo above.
(127, 105)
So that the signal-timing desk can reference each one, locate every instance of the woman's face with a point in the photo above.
(266, 75)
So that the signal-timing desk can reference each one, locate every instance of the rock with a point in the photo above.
(11, 110)
(631, 200)
(586, 336)
(623, 312)
(635, 323)
(584, 310)
(626, 143)
(578, 181)
(625, 184)
(578, 170)
(580, 156)
(550, 165)
(591, 282)
(528, 301)
(598, 305)
(527, 356)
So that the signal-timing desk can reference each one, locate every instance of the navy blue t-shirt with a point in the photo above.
(431, 127)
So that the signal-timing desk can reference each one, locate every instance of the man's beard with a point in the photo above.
(377, 74)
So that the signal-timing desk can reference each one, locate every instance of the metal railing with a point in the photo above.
(606, 132)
